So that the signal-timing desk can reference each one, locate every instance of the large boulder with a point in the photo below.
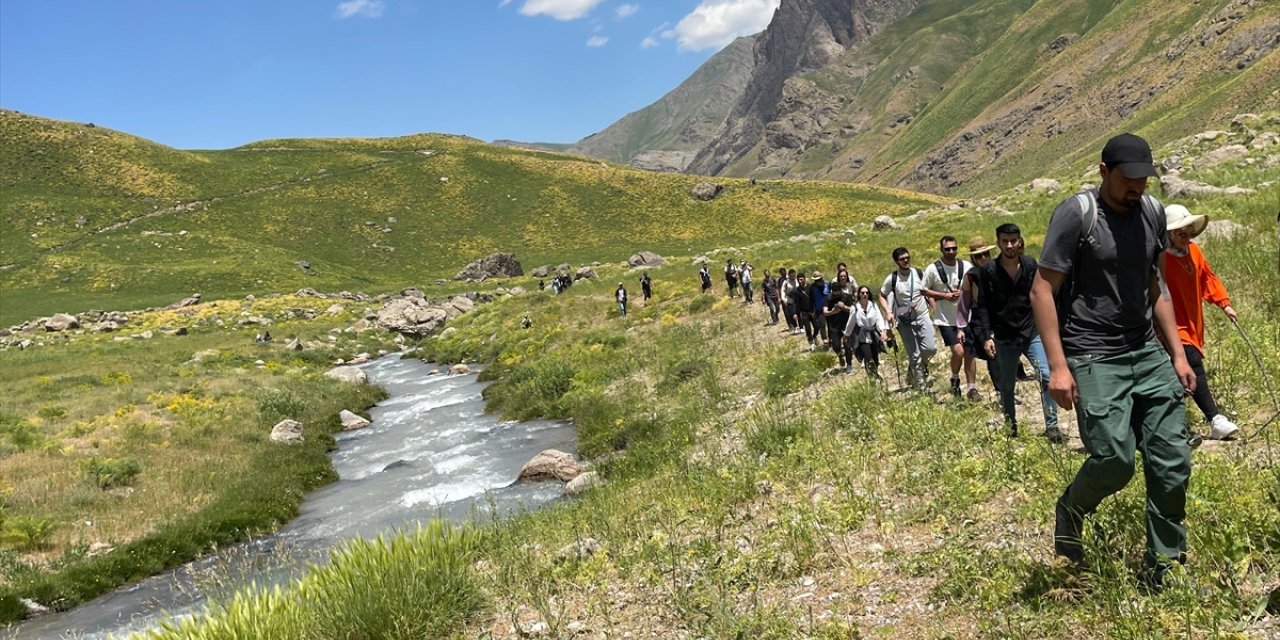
(287, 432)
(646, 259)
(61, 322)
(496, 265)
(1045, 184)
(706, 191)
(411, 316)
(541, 272)
(1175, 187)
(551, 464)
(884, 223)
(583, 483)
(584, 273)
(351, 421)
(186, 302)
(1220, 155)
(352, 375)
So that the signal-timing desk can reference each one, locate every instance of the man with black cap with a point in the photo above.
(1106, 246)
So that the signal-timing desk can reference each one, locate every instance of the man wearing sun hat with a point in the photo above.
(1104, 358)
(1191, 281)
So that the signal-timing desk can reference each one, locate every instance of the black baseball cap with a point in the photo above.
(1131, 155)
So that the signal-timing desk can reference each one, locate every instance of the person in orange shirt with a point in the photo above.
(1191, 281)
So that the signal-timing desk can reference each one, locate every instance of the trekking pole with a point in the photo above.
(1262, 371)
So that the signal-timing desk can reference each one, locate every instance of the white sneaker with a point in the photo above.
(1222, 428)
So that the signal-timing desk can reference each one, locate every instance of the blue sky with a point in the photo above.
(212, 75)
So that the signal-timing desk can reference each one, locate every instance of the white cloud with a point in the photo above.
(364, 8)
(648, 43)
(597, 41)
(715, 23)
(504, 3)
(558, 9)
(626, 10)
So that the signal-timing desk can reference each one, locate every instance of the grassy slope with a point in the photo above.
(273, 203)
(754, 497)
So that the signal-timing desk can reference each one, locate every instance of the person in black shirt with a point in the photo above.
(836, 309)
(1006, 329)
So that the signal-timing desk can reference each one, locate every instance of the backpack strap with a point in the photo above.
(1088, 214)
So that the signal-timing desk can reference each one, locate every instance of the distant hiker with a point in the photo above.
(744, 271)
(836, 310)
(942, 283)
(1105, 247)
(770, 288)
(704, 274)
(646, 287)
(788, 291)
(907, 308)
(731, 277)
(526, 322)
(805, 317)
(1002, 320)
(1192, 281)
(868, 331)
(263, 338)
(621, 296)
(979, 255)
(542, 285)
(818, 291)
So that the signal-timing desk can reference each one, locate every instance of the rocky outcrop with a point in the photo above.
(411, 316)
(646, 259)
(351, 375)
(585, 273)
(706, 191)
(495, 265)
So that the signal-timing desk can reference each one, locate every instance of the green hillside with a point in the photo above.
(98, 219)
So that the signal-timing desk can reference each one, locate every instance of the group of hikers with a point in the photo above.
(1110, 318)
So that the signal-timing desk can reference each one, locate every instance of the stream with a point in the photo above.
(431, 452)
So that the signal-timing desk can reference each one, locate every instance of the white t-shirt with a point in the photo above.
(906, 298)
(948, 280)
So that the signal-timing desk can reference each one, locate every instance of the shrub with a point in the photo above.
(275, 405)
(16, 434)
(28, 533)
(785, 375)
(771, 430)
(701, 303)
(112, 472)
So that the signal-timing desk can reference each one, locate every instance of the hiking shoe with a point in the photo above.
(1223, 428)
(1066, 533)
(955, 387)
(975, 395)
(1055, 435)
(848, 369)
(1194, 440)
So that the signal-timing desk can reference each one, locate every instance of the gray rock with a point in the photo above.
(585, 273)
(295, 345)
(287, 432)
(646, 259)
(883, 223)
(207, 354)
(411, 316)
(578, 550)
(459, 369)
(351, 421)
(1176, 187)
(516, 291)
(495, 265)
(106, 326)
(186, 302)
(347, 374)
(706, 191)
(583, 483)
(1045, 184)
(541, 272)
(550, 464)
(1224, 229)
(1223, 154)
(61, 322)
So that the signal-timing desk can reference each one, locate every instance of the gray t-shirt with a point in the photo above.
(1109, 310)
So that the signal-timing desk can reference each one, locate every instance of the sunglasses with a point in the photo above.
(904, 258)
(950, 249)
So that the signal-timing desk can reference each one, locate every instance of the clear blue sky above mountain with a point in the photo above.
(199, 75)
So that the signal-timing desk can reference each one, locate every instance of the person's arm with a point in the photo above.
(980, 320)
(884, 303)
(1167, 328)
(931, 278)
(851, 326)
(1062, 385)
(1215, 292)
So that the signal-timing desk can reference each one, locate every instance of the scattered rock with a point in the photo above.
(541, 272)
(495, 265)
(334, 309)
(459, 369)
(106, 326)
(411, 316)
(585, 273)
(516, 291)
(98, 548)
(583, 483)
(287, 432)
(550, 464)
(1224, 229)
(186, 302)
(295, 345)
(1176, 187)
(646, 259)
(61, 322)
(352, 375)
(882, 223)
(706, 191)
(207, 354)
(33, 608)
(1223, 154)
(1045, 184)
(351, 421)
(578, 550)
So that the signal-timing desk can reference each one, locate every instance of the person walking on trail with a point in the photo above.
(731, 278)
(789, 303)
(1105, 248)
(1191, 282)
(621, 296)
(704, 274)
(818, 291)
(770, 289)
(868, 331)
(1002, 320)
(979, 255)
(942, 283)
(646, 287)
(744, 271)
(805, 316)
(907, 308)
(836, 310)
(851, 283)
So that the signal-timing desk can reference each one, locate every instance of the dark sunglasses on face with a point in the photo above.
(950, 249)
(904, 258)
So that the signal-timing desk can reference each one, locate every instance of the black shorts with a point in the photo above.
(950, 335)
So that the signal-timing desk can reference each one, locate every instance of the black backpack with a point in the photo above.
(1088, 222)
(942, 275)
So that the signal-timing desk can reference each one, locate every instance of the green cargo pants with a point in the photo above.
(1134, 401)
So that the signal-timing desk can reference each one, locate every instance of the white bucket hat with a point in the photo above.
(1177, 217)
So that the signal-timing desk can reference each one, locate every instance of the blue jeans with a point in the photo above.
(1007, 354)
